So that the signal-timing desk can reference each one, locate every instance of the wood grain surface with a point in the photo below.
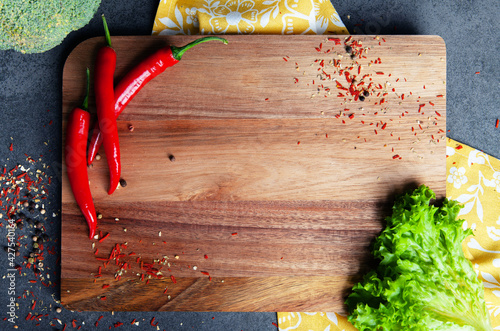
(281, 178)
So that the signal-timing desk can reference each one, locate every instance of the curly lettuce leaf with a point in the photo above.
(423, 281)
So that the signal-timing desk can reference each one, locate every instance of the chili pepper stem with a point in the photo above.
(177, 52)
(106, 31)
(85, 102)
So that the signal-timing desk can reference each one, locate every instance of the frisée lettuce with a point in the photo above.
(423, 280)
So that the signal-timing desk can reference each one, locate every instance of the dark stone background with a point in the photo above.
(30, 103)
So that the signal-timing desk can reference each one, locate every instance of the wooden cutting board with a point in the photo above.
(281, 179)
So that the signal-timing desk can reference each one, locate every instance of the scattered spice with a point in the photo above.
(345, 69)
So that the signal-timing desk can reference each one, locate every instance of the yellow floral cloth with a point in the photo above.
(473, 177)
(247, 16)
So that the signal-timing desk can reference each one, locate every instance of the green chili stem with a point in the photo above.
(106, 31)
(85, 103)
(177, 52)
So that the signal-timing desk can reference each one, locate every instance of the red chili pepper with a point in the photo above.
(76, 165)
(105, 101)
(138, 77)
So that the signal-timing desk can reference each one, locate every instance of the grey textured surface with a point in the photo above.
(30, 103)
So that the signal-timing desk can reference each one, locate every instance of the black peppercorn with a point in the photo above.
(361, 98)
(348, 49)
(123, 182)
(366, 93)
(171, 158)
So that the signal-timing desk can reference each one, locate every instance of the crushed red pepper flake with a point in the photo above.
(104, 238)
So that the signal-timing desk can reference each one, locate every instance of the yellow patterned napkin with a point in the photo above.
(193, 17)
(473, 179)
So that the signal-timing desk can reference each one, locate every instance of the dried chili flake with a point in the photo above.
(153, 322)
(396, 157)
(11, 147)
(117, 324)
(234, 233)
(104, 238)
(496, 124)
(173, 279)
(437, 113)
(459, 147)
(335, 40)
